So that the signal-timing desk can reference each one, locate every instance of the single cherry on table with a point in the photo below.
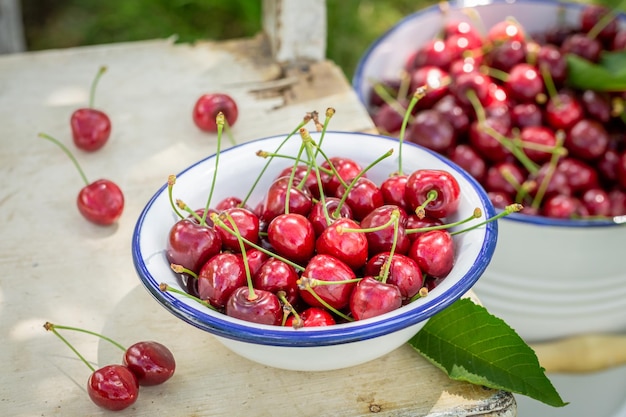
(91, 128)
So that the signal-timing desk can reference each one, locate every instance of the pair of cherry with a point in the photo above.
(116, 386)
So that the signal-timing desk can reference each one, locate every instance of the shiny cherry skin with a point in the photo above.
(467, 158)
(246, 225)
(404, 272)
(454, 113)
(302, 172)
(91, 129)
(580, 175)
(526, 114)
(311, 317)
(472, 81)
(551, 58)
(392, 190)
(434, 252)
(506, 30)
(292, 236)
(372, 298)
(524, 82)
(191, 244)
(587, 140)
(414, 223)
(505, 176)
(113, 387)
(101, 202)
(431, 130)
(362, 198)
(350, 247)
(274, 276)
(483, 141)
(208, 106)
(300, 200)
(563, 110)
(597, 202)
(562, 207)
(219, 277)
(388, 118)
(335, 209)
(382, 240)
(424, 181)
(151, 362)
(263, 307)
(434, 79)
(328, 268)
(347, 169)
(538, 135)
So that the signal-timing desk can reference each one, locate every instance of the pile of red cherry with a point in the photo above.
(501, 106)
(325, 245)
(116, 386)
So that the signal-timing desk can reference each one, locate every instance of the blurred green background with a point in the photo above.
(352, 24)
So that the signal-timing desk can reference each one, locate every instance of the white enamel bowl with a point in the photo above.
(548, 278)
(308, 349)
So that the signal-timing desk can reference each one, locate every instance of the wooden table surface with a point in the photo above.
(58, 267)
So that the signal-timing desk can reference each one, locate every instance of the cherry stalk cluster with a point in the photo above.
(326, 244)
(499, 104)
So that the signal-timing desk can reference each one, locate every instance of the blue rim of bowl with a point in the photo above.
(358, 81)
(326, 336)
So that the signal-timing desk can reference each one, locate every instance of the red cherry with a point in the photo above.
(587, 140)
(301, 171)
(300, 200)
(219, 277)
(431, 130)
(505, 176)
(434, 78)
(347, 246)
(580, 175)
(392, 190)
(151, 362)
(102, 201)
(246, 225)
(113, 387)
(318, 218)
(467, 158)
(524, 82)
(347, 169)
(274, 276)
(91, 128)
(292, 236)
(597, 202)
(208, 106)
(432, 53)
(191, 244)
(263, 307)
(404, 273)
(426, 182)
(312, 317)
(506, 30)
(382, 240)
(362, 198)
(563, 110)
(538, 135)
(330, 269)
(484, 142)
(434, 253)
(372, 298)
(413, 223)
(561, 207)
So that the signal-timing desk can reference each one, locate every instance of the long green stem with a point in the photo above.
(50, 327)
(68, 153)
(78, 329)
(94, 83)
(220, 120)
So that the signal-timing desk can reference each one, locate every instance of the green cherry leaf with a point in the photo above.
(609, 74)
(470, 344)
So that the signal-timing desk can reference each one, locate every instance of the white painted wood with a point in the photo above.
(11, 28)
(296, 29)
(57, 267)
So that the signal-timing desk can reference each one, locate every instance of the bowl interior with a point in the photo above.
(238, 169)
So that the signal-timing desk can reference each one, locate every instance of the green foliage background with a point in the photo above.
(352, 24)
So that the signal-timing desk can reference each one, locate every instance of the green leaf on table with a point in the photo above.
(608, 74)
(470, 344)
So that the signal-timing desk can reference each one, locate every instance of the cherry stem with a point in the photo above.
(168, 288)
(431, 196)
(307, 284)
(292, 175)
(330, 112)
(94, 83)
(318, 179)
(352, 184)
(171, 180)
(244, 254)
(605, 20)
(423, 292)
(183, 206)
(395, 216)
(68, 153)
(267, 164)
(179, 269)
(220, 120)
(216, 219)
(266, 154)
(511, 208)
(289, 309)
(549, 83)
(229, 133)
(554, 159)
(50, 327)
(419, 93)
(477, 213)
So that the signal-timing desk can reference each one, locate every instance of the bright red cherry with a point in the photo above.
(372, 298)
(330, 269)
(260, 306)
(362, 198)
(274, 276)
(348, 246)
(311, 317)
(324, 213)
(151, 362)
(300, 200)
(434, 253)
(292, 236)
(208, 106)
(191, 244)
(436, 190)
(404, 272)
(219, 277)
(113, 387)
(246, 225)
(382, 240)
(91, 128)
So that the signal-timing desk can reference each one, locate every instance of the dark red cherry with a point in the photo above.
(300, 200)
(362, 198)
(325, 213)
(423, 184)
(403, 272)
(592, 14)
(346, 168)
(431, 130)
(597, 202)
(580, 175)
(505, 176)
(533, 136)
(582, 45)
(113, 387)
(330, 269)
(587, 140)
(274, 276)
(372, 298)
(219, 277)
(383, 240)
(191, 245)
(434, 79)
(563, 110)
(261, 307)
(562, 207)
(524, 83)
(414, 223)
(292, 236)
(392, 190)
(434, 252)
(467, 158)
(241, 221)
(151, 362)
